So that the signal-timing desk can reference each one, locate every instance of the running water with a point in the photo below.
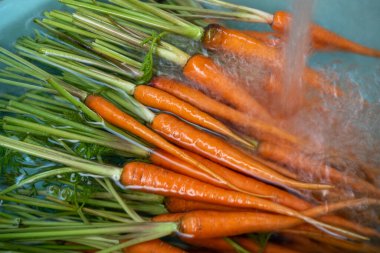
(295, 53)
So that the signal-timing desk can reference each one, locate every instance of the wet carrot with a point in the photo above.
(217, 150)
(322, 36)
(211, 224)
(154, 246)
(149, 178)
(222, 245)
(178, 205)
(287, 155)
(272, 39)
(115, 116)
(247, 184)
(205, 72)
(229, 40)
(164, 101)
(254, 127)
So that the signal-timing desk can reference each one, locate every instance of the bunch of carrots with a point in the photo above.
(101, 98)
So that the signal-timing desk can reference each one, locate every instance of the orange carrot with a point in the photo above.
(211, 224)
(323, 37)
(115, 116)
(177, 205)
(222, 245)
(287, 155)
(205, 72)
(164, 101)
(245, 183)
(154, 246)
(150, 178)
(272, 39)
(219, 151)
(229, 40)
(256, 128)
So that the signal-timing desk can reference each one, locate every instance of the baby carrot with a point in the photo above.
(164, 101)
(221, 244)
(245, 183)
(178, 205)
(287, 155)
(205, 72)
(219, 151)
(229, 40)
(322, 36)
(211, 224)
(112, 114)
(149, 178)
(254, 127)
(154, 246)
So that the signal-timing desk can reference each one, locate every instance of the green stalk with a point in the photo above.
(132, 195)
(121, 202)
(34, 202)
(37, 177)
(68, 160)
(26, 86)
(43, 105)
(238, 248)
(24, 248)
(49, 100)
(114, 143)
(8, 74)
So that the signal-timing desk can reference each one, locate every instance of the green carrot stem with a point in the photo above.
(10, 75)
(50, 100)
(26, 209)
(34, 202)
(114, 143)
(84, 60)
(68, 160)
(164, 50)
(237, 247)
(37, 177)
(53, 108)
(265, 15)
(121, 202)
(27, 86)
(24, 248)
(132, 195)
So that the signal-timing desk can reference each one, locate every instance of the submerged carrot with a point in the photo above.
(254, 127)
(154, 246)
(287, 155)
(211, 224)
(149, 178)
(247, 184)
(164, 101)
(221, 244)
(115, 116)
(323, 37)
(204, 71)
(272, 39)
(221, 152)
(229, 40)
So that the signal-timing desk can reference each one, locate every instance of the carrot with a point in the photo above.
(229, 40)
(211, 224)
(150, 178)
(247, 184)
(219, 151)
(205, 72)
(287, 155)
(254, 127)
(272, 39)
(323, 37)
(164, 101)
(222, 245)
(112, 114)
(177, 205)
(154, 246)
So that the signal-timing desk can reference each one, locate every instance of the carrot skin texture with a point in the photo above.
(219, 151)
(205, 72)
(154, 246)
(286, 155)
(256, 128)
(159, 99)
(229, 40)
(243, 182)
(112, 114)
(221, 245)
(150, 178)
(322, 36)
